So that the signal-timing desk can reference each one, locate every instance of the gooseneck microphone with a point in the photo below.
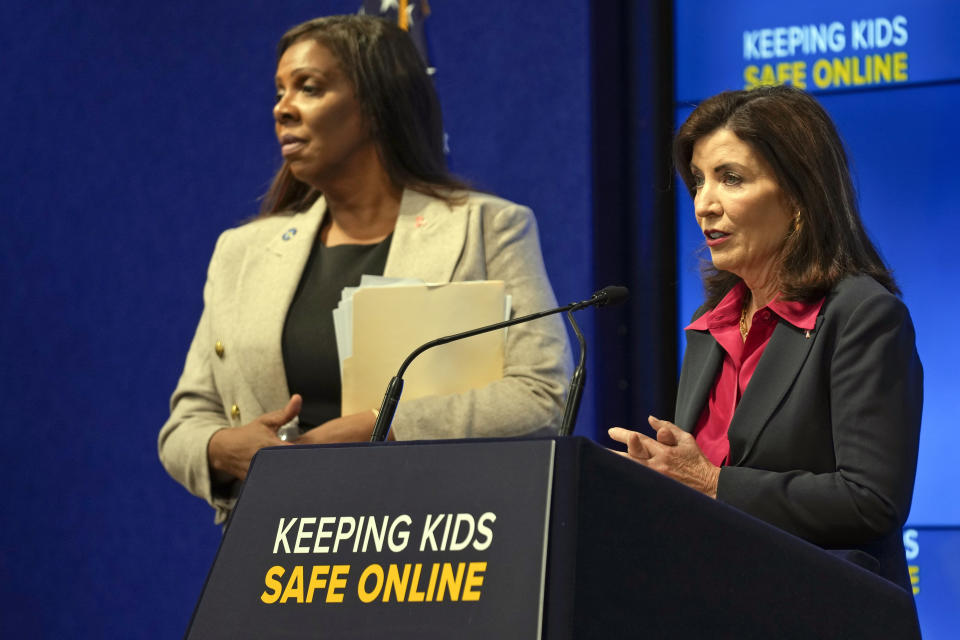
(606, 296)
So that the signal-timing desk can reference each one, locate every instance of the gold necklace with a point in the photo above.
(743, 321)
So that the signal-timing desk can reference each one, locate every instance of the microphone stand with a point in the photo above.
(575, 390)
(607, 295)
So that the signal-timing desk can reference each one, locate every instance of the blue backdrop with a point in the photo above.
(133, 133)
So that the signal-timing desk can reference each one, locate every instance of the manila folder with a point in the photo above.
(390, 322)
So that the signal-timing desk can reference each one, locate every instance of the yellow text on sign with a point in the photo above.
(410, 582)
(852, 71)
(332, 579)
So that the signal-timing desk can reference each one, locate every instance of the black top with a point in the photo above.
(309, 342)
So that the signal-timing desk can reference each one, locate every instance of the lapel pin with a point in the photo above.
(808, 334)
(289, 233)
(419, 222)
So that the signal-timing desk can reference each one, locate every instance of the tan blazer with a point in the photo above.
(234, 369)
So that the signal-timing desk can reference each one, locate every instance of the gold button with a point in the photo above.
(219, 349)
(235, 412)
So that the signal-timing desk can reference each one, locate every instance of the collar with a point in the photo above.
(802, 315)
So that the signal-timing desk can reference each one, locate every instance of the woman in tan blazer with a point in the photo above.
(364, 175)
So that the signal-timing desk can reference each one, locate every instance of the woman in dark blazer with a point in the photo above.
(801, 390)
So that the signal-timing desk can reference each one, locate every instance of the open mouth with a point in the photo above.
(715, 238)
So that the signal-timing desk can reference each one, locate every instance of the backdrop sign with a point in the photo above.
(815, 46)
(375, 541)
(932, 562)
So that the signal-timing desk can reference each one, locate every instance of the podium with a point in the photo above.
(516, 538)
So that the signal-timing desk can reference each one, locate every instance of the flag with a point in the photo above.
(409, 16)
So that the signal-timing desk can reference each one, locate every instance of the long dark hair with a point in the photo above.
(397, 98)
(794, 134)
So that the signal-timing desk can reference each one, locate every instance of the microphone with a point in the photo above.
(604, 297)
(609, 296)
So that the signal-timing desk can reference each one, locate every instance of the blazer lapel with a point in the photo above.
(779, 365)
(700, 366)
(428, 239)
(269, 277)
(427, 243)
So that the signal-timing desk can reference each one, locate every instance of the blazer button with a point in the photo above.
(235, 412)
(219, 349)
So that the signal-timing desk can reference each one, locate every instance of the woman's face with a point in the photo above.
(322, 132)
(741, 209)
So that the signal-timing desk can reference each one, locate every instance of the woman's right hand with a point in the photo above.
(230, 450)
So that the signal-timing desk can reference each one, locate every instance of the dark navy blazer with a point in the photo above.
(823, 443)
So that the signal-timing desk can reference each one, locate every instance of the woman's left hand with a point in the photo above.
(674, 453)
(356, 427)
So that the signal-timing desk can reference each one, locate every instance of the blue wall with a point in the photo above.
(133, 133)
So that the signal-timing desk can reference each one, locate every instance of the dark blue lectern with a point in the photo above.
(525, 538)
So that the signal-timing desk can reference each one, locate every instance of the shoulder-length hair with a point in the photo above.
(397, 98)
(794, 134)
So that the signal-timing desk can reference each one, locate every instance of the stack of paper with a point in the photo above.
(379, 324)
